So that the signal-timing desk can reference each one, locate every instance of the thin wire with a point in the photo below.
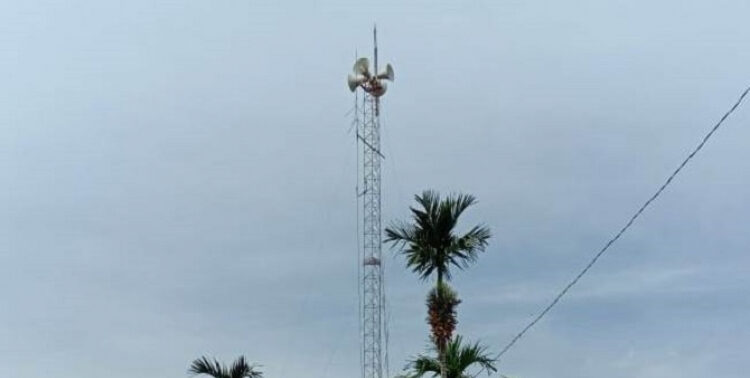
(623, 229)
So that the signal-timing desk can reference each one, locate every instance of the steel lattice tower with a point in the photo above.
(373, 324)
(372, 272)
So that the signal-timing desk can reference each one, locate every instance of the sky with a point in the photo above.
(179, 180)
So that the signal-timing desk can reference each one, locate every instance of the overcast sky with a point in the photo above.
(178, 180)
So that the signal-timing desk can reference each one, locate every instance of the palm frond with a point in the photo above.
(465, 249)
(413, 246)
(429, 242)
(423, 365)
(204, 366)
(473, 354)
(458, 359)
(239, 369)
(400, 233)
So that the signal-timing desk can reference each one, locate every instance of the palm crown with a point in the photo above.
(430, 243)
(239, 369)
(458, 360)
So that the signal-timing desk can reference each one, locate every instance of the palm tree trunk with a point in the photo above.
(440, 348)
(443, 373)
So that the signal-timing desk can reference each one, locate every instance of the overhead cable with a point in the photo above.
(627, 225)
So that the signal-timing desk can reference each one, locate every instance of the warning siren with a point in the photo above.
(361, 77)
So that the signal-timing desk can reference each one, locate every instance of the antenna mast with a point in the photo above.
(367, 118)
(375, 46)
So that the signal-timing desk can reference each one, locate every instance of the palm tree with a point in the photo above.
(458, 359)
(239, 369)
(430, 243)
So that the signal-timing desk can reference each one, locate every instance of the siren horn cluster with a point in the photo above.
(372, 84)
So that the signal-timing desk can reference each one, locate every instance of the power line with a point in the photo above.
(623, 229)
